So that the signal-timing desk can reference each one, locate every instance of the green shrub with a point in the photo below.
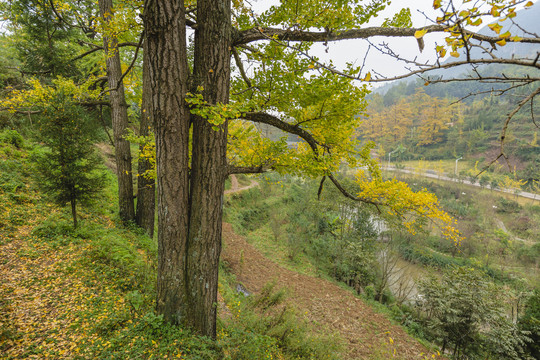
(268, 321)
(508, 206)
(12, 137)
(530, 322)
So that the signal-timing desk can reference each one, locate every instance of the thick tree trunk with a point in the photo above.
(189, 209)
(209, 164)
(119, 118)
(167, 59)
(146, 190)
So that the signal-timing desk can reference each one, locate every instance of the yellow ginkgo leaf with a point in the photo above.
(501, 42)
(454, 54)
(420, 33)
(368, 77)
(506, 35)
(495, 27)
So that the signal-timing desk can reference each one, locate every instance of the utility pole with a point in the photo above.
(390, 154)
(455, 169)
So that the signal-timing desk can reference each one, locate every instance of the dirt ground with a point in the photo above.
(367, 334)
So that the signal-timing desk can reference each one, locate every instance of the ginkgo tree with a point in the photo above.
(203, 118)
(208, 90)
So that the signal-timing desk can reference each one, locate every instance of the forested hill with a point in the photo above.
(452, 119)
(413, 125)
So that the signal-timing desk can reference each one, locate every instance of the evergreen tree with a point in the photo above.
(68, 169)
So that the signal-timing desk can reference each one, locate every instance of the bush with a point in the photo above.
(465, 312)
(530, 321)
(271, 325)
(12, 137)
(508, 206)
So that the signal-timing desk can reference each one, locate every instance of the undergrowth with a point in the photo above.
(90, 291)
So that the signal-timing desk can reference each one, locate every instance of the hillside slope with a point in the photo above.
(368, 335)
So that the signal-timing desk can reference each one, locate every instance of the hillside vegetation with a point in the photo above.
(89, 292)
(357, 246)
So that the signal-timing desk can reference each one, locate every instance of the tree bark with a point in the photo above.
(74, 212)
(212, 60)
(146, 189)
(167, 58)
(119, 118)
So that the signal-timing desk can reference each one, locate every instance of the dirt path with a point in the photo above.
(235, 186)
(501, 226)
(324, 304)
(365, 332)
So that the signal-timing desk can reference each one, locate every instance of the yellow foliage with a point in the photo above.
(38, 95)
(408, 205)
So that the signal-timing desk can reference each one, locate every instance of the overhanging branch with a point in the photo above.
(268, 119)
(260, 33)
(247, 169)
(264, 118)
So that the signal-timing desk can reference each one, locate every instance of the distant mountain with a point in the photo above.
(527, 19)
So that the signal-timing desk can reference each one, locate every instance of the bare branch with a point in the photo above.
(321, 185)
(238, 62)
(141, 39)
(97, 48)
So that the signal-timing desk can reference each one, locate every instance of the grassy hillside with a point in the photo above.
(89, 293)
(336, 238)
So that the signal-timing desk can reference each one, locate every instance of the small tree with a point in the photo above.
(465, 311)
(530, 322)
(68, 169)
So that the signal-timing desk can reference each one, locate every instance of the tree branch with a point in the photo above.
(351, 196)
(519, 106)
(260, 33)
(24, 112)
(238, 62)
(247, 169)
(264, 118)
(97, 48)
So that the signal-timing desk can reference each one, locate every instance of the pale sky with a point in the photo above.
(353, 51)
(342, 52)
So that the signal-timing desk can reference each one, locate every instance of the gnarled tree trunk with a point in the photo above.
(119, 118)
(189, 208)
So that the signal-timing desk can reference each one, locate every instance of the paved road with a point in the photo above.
(523, 194)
